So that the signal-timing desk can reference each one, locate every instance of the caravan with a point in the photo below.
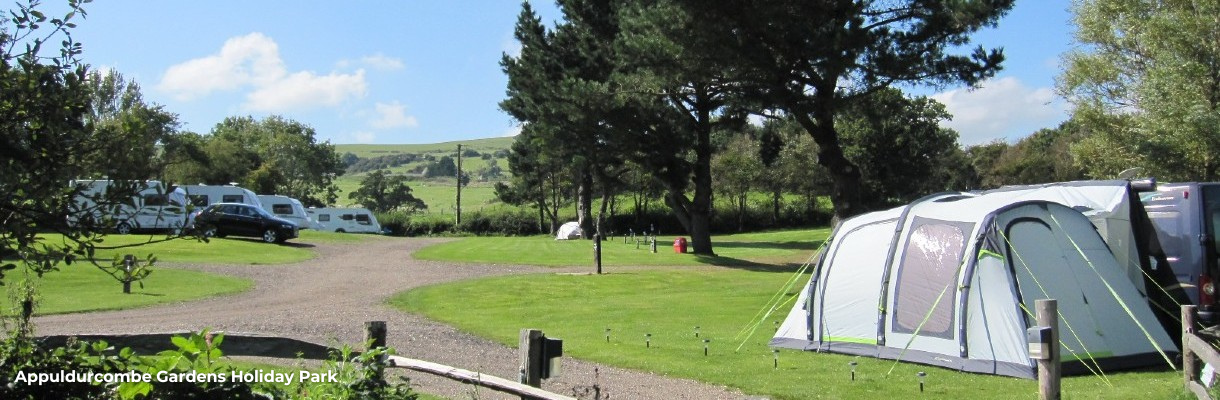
(128, 205)
(287, 208)
(341, 220)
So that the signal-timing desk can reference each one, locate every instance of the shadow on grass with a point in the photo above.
(737, 263)
(809, 245)
(298, 245)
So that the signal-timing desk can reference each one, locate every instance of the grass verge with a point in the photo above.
(754, 249)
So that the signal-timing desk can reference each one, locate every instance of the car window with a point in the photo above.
(228, 209)
(249, 211)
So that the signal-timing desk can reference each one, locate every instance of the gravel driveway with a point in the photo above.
(327, 299)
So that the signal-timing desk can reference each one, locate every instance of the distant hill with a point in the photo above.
(489, 145)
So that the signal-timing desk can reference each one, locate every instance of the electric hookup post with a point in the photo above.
(597, 252)
(539, 357)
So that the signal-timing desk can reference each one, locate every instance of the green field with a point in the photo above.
(669, 302)
(445, 148)
(756, 249)
(232, 250)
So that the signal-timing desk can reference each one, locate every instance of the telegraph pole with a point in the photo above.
(459, 185)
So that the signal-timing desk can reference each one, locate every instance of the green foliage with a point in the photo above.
(405, 224)
(381, 192)
(198, 354)
(1045, 156)
(272, 155)
(1145, 86)
(442, 167)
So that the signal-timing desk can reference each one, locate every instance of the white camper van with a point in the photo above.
(287, 208)
(152, 206)
(344, 220)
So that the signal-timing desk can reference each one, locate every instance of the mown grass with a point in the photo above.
(232, 250)
(81, 287)
(669, 303)
(754, 249)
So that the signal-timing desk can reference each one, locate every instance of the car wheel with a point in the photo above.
(270, 236)
(123, 228)
(210, 231)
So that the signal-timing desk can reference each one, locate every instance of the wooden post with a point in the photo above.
(597, 252)
(1049, 370)
(1190, 360)
(531, 357)
(374, 336)
(129, 263)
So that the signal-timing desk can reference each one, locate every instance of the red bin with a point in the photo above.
(680, 245)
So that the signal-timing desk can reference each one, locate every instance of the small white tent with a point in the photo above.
(951, 281)
(568, 231)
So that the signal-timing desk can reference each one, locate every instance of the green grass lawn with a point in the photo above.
(755, 249)
(231, 250)
(81, 287)
(669, 303)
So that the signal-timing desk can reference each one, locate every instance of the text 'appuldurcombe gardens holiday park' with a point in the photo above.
(598, 199)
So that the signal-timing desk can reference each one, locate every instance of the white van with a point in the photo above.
(332, 219)
(287, 208)
(153, 206)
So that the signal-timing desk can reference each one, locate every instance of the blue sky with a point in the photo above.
(428, 71)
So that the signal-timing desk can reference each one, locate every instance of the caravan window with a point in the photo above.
(926, 289)
(282, 209)
(157, 200)
(323, 217)
(232, 198)
(198, 200)
(346, 217)
(363, 219)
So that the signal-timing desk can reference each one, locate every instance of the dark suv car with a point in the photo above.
(222, 219)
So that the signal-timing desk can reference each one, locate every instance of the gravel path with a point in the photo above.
(327, 299)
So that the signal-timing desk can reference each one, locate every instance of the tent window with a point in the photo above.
(925, 295)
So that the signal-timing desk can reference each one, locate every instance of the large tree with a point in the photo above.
(1146, 85)
(809, 59)
(381, 191)
(133, 139)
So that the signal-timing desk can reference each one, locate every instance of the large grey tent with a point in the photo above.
(951, 281)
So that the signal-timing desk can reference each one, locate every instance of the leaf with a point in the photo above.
(133, 390)
(185, 345)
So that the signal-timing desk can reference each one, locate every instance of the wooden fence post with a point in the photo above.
(1049, 370)
(531, 357)
(1190, 360)
(374, 335)
(597, 252)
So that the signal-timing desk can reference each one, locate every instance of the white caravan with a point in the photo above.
(344, 220)
(204, 195)
(287, 208)
(151, 206)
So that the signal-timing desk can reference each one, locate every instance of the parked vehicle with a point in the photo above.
(237, 219)
(201, 196)
(287, 208)
(1187, 220)
(356, 220)
(128, 206)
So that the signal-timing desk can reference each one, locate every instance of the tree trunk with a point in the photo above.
(775, 200)
(584, 203)
(845, 176)
(601, 213)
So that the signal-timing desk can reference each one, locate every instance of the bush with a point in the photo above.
(500, 221)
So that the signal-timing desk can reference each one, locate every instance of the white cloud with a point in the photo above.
(252, 62)
(392, 115)
(305, 90)
(512, 132)
(364, 137)
(1001, 108)
(382, 62)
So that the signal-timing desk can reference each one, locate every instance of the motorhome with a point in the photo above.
(331, 219)
(1187, 221)
(287, 208)
(127, 206)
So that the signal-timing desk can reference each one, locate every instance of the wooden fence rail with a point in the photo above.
(1195, 348)
(238, 344)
